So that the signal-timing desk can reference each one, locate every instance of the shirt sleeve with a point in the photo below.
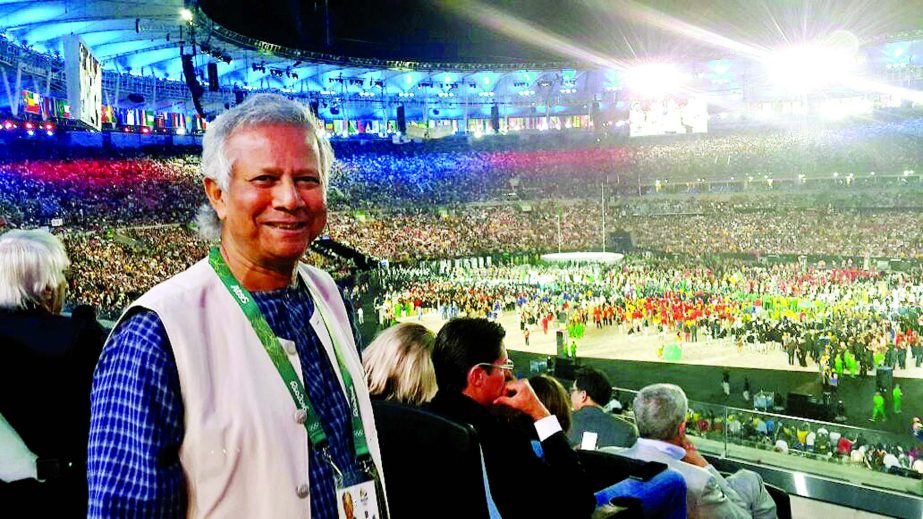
(547, 426)
(719, 500)
(136, 429)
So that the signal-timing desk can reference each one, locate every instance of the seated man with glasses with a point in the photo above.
(475, 381)
(590, 392)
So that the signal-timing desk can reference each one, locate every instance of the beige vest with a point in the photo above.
(244, 454)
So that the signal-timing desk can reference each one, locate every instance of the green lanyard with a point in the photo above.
(316, 434)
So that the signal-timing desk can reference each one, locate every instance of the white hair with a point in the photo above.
(257, 110)
(659, 411)
(32, 263)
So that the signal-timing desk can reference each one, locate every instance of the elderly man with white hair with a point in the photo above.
(660, 414)
(46, 368)
(235, 388)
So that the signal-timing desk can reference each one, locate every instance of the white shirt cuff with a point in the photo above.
(547, 426)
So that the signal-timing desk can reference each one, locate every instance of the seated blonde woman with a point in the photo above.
(399, 365)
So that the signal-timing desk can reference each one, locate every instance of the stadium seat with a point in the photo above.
(604, 469)
(643, 489)
(783, 502)
(429, 462)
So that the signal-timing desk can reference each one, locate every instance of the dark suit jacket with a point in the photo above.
(612, 430)
(522, 484)
(46, 373)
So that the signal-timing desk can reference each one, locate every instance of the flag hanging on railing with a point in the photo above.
(31, 102)
(62, 109)
(48, 107)
(108, 115)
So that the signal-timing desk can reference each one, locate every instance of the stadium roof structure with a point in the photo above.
(438, 49)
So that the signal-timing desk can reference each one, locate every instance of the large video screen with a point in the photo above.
(667, 116)
(84, 82)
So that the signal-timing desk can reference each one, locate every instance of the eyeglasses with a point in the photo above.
(508, 365)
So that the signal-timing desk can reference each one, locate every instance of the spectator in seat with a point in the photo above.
(475, 382)
(660, 413)
(399, 365)
(555, 397)
(46, 370)
(592, 390)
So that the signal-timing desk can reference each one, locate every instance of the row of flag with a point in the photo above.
(49, 107)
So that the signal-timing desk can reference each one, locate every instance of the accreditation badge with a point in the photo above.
(357, 496)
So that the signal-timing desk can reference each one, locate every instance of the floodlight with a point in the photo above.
(654, 79)
(185, 14)
(810, 67)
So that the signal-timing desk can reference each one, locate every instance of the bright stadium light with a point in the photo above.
(813, 66)
(185, 14)
(655, 79)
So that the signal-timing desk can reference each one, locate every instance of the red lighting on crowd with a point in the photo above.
(145, 130)
(126, 129)
(29, 125)
(49, 126)
(8, 125)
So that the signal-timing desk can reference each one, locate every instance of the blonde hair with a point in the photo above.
(399, 364)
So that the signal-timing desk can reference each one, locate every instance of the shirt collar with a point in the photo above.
(673, 451)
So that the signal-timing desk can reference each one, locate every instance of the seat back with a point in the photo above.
(642, 488)
(605, 469)
(432, 465)
(782, 500)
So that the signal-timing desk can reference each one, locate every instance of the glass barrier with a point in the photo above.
(831, 450)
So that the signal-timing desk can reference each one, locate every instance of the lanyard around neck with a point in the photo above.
(273, 349)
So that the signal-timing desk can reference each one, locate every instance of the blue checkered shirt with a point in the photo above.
(137, 414)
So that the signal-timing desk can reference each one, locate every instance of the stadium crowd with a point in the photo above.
(97, 193)
(87, 189)
(401, 237)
